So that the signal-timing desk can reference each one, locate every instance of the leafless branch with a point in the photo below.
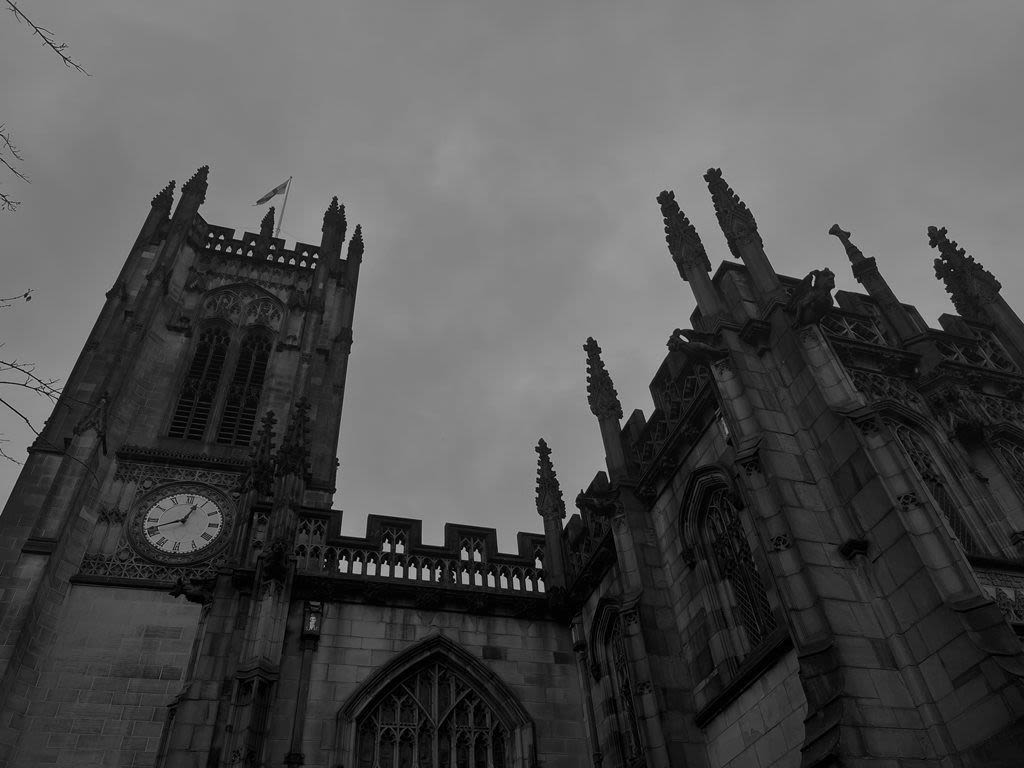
(5, 302)
(8, 203)
(46, 36)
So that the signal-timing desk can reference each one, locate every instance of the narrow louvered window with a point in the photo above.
(244, 392)
(736, 564)
(199, 389)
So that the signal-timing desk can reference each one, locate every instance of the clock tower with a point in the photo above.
(144, 481)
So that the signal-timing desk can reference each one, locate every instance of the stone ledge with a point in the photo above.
(755, 665)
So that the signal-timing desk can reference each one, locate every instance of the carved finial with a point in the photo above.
(852, 251)
(197, 184)
(293, 455)
(734, 217)
(355, 245)
(683, 241)
(549, 493)
(164, 197)
(601, 394)
(334, 216)
(261, 466)
(267, 225)
(968, 283)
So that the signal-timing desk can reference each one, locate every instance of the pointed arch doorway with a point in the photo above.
(434, 705)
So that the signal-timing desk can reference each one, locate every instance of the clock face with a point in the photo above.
(182, 523)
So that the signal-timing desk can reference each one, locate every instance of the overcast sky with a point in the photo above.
(503, 159)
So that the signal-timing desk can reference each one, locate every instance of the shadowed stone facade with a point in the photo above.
(809, 554)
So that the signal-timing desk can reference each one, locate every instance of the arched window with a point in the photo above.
(432, 717)
(1011, 455)
(199, 389)
(935, 481)
(734, 562)
(243, 398)
(622, 685)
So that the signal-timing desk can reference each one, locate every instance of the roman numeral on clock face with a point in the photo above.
(207, 535)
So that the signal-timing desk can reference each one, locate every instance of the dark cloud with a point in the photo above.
(503, 159)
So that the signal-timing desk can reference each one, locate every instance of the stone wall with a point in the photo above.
(533, 658)
(763, 727)
(117, 659)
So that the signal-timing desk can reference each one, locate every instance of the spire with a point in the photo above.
(734, 217)
(601, 394)
(852, 251)
(293, 455)
(968, 283)
(267, 225)
(683, 241)
(197, 184)
(165, 197)
(334, 217)
(355, 245)
(549, 493)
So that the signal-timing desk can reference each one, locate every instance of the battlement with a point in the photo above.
(221, 241)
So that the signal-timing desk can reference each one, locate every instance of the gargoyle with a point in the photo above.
(200, 591)
(812, 298)
(687, 341)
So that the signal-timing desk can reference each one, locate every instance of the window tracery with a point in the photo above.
(432, 717)
(1011, 455)
(934, 479)
(735, 563)
(622, 686)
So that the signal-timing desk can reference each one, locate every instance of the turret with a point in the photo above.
(159, 213)
(193, 194)
(741, 234)
(266, 234)
(688, 253)
(604, 404)
(865, 270)
(551, 508)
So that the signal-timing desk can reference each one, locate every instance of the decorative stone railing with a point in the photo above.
(316, 555)
(983, 352)
(222, 241)
(843, 325)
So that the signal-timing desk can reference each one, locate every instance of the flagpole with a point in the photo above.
(284, 205)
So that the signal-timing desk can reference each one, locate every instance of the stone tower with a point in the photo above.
(809, 554)
(144, 477)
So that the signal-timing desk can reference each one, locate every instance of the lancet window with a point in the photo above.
(243, 396)
(935, 480)
(628, 723)
(199, 390)
(734, 561)
(1011, 455)
(432, 717)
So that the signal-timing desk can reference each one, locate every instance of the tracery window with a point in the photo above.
(243, 397)
(622, 684)
(432, 718)
(199, 389)
(1011, 454)
(935, 481)
(735, 563)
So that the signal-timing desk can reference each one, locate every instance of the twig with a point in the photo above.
(46, 36)
(9, 300)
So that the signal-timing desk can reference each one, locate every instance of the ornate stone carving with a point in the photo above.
(908, 501)
(293, 455)
(194, 590)
(601, 394)
(812, 298)
(781, 542)
(110, 516)
(550, 505)
(852, 251)
(734, 217)
(683, 241)
(96, 418)
(877, 386)
(969, 284)
(695, 346)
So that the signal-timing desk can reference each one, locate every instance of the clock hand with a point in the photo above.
(169, 522)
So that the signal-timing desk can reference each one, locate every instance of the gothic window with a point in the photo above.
(1011, 454)
(432, 717)
(935, 481)
(622, 685)
(200, 386)
(732, 558)
(243, 398)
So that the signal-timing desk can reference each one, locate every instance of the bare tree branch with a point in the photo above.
(46, 36)
(9, 300)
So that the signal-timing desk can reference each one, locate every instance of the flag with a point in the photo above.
(274, 192)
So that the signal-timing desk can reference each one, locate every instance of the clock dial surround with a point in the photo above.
(181, 523)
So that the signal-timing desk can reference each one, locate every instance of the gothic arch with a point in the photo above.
(243, 304)
(497, 715)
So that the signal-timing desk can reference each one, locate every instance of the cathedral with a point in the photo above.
(810, 553)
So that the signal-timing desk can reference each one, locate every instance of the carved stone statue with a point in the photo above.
(812, 298)
(694, 345)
